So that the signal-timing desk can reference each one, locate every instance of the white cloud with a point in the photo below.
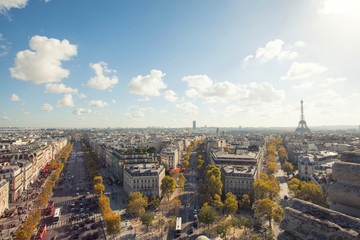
(247, 58)
(5, 5)
(145, 99)
(212, 110)
(224, 92)
(331, 81)
(46, 107)
(232, 109)
(275, 49)
(192, 93)
(336, 7)
(100, 81)
(59, 88)
(24, 112)
(80, 111)
(198, 81)
(43, 64)
(6, 118)
(303, 86)
(15, 98)
(264, 93)
(81, 96)
(303, 70)
(4, 45)
(147, 85)
(136, 112)
(113, 101)
(67, 100)
(188, 107)
(97, 103)
(170, 96)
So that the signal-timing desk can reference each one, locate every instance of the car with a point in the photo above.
(91, 214)
(89, 236)
(82, 224)
(196, 224)
(195, 217)
(83, 215)
(75, 236)
(285, 197)
(88, 220)
(75, 227)
(191, 230)
(93, 226)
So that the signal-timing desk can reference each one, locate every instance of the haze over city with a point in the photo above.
(167, 63)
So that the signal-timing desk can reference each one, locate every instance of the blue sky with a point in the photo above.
(166, 63)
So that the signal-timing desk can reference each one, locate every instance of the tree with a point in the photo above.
(22, 235)
(230, 204)
(154, 202)
(207, 214)
(307, 191)
(217, 203)
(175, 205)
(168, 186)
(245, 223)
(98, 179)
(112, 223)
(147, 219)
(181, 181)
(245, 202)
(174, 174)
(267, 186)
(215, 186)
(137, 204)
(271, 167)
(287, 167)
(99, 189)
(268, 209)
(224, 229)
(185, 164)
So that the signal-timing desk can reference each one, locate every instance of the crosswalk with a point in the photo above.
(59, 204)
(67, 222)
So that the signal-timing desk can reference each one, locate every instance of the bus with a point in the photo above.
(178, 227)
(40, 235)
(57, 214)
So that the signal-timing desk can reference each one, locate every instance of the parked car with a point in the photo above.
(95, 235)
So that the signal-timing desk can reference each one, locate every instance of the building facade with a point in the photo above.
(4, 196)
(144, 178)
(238, 180)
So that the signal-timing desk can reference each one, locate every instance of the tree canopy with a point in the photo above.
(168, 186)
(307, 191)
(268, 209)
(207, 214)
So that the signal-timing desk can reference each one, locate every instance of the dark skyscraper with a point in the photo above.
(194, 124)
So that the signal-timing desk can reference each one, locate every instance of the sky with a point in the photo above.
(249, 63)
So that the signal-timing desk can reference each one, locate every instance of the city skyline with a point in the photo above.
(166, 64)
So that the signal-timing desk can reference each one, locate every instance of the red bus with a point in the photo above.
(41, 232)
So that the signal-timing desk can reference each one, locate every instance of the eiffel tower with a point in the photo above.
(302, 127)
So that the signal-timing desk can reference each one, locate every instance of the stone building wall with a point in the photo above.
(307, 221)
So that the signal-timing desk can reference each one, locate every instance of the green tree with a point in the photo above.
(168, 186)
(245, 223)
(147, 220)
(307, 191)
(22, 235)
(215, 186)
(224, 229)
(207, 214)
(267, 186)
(268, 209)
(245, 202)
(137, 204)
(217, 203)
(154, 202)
(230, 204)
(287, 167)
(185, 164)
(271, 167)
(181, 181)
(175, 205)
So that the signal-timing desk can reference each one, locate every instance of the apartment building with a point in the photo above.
(170, 157)
(144, 178)
(238, 180)
(4, 196)
(12, 173)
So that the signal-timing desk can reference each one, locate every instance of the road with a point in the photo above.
(74, 196)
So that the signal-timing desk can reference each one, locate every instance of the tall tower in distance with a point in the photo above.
(302, 127)
(194, 124)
